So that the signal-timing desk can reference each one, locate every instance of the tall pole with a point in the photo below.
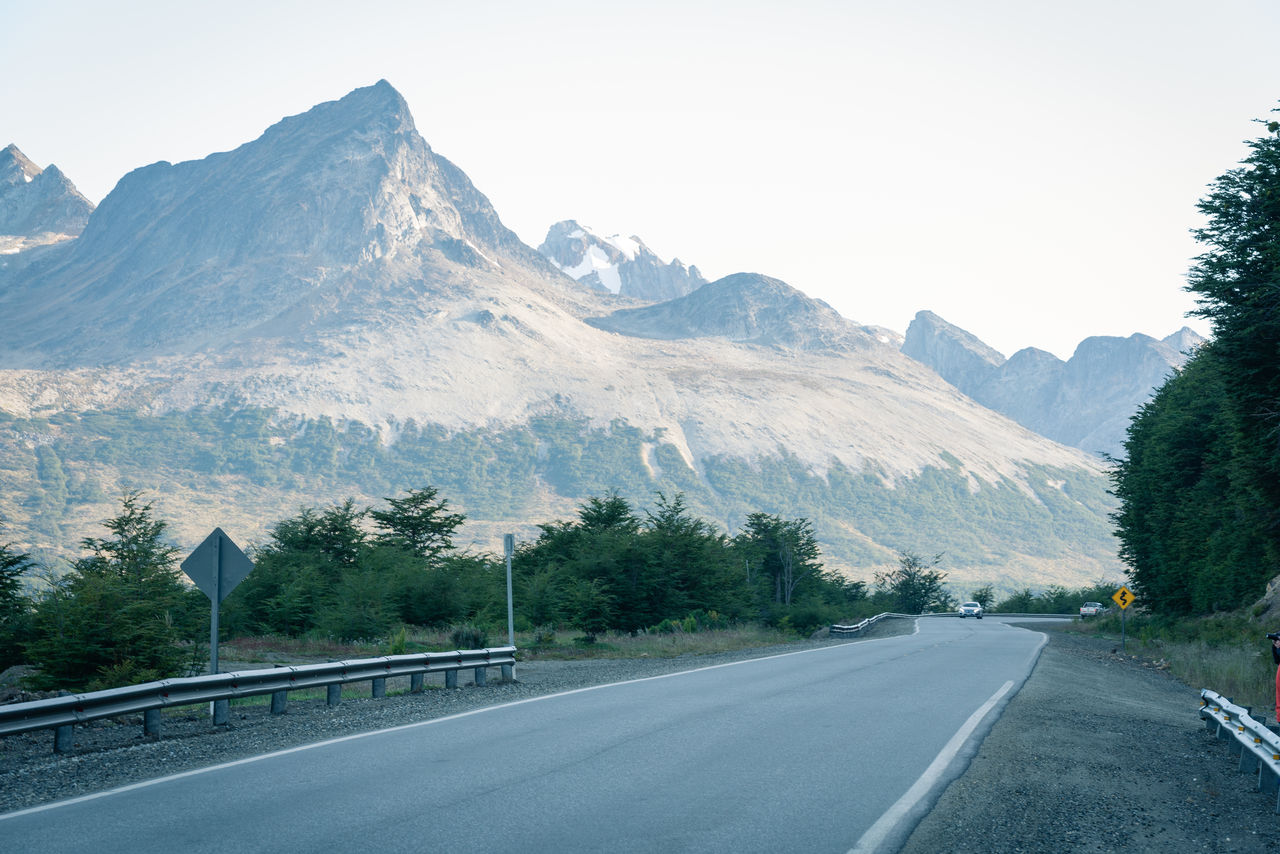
(216, 597)
(509, 546)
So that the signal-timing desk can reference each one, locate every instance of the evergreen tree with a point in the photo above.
(15, 605)
(916, 586)
(1199, 489)
(418, 523)
(118, 616)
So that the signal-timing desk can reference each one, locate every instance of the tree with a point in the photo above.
(916, 586)
(785, 553)
(298, 572)
(593, 607)
(418, 523)
(118, 616)
(1199, 488)
(15, 605)
(984, 596)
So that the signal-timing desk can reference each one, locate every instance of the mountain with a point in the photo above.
(37, 206)
(746, 308)
(1085, 402)
(333, 310)
(620, 265)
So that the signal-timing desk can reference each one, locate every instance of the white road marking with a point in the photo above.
(887, 823)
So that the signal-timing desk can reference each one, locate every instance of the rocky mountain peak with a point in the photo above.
(955, 354)
(1085, 402)
(15, 167)
(347, 191)
(620, 265)
(37, 206)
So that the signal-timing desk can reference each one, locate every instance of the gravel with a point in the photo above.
(1059, 769)
(1064, 769)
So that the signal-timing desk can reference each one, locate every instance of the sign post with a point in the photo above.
(1124, 598)
(216, 566)
(509, 546)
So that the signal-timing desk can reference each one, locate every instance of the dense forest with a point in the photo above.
(1199, 487)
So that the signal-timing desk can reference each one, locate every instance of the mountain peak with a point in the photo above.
(346, 191)
(747, 308)
(620, 265)
(15, 167)
(37, 206)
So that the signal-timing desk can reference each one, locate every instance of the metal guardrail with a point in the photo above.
(1258, 746)
(149, 698)
(858, 628)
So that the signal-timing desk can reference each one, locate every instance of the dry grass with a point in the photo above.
(276, 649)
(1236, 664)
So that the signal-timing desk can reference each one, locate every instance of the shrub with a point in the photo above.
(469, 637)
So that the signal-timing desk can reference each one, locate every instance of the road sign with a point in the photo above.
(217, 565)
(1123, 597)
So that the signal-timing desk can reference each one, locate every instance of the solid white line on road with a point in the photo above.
(887, 823)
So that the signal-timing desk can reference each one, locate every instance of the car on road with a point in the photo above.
(971, 609)
(1092, 609)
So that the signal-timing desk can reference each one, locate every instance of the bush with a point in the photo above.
(469, 637)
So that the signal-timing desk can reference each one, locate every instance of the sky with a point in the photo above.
(1027, 170)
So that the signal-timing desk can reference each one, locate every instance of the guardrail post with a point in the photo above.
(151, 723)
(379, 688)
(415, 683)
(451, 679)
(64, 739)
(221, 712)
(508, 673)
(1249, 761)
(278, 700)
(334, 695)
(480, 676)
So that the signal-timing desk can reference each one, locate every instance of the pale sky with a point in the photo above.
(1027, 170)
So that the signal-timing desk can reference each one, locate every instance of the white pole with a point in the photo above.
(509, 545)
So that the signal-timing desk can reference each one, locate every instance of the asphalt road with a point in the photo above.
(832, 749)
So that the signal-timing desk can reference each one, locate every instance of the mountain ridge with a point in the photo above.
(352, 283)
(1085, 402)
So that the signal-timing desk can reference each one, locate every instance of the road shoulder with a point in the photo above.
(1099, 752)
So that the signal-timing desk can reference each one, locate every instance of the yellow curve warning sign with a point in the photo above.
(1123, 597)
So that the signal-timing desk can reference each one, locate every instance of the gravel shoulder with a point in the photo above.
(1059, 770)
(1063, 770)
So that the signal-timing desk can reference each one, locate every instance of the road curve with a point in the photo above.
(806, 751)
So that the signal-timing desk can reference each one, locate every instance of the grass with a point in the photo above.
(1225, 653)
(543, 643)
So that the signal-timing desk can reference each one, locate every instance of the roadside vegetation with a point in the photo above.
(1199, 487)
(345, 580)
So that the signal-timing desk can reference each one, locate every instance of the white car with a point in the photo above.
(1092, 609)
(971, 609)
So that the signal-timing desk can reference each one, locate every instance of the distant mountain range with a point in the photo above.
(334, 310)
(1085, 402)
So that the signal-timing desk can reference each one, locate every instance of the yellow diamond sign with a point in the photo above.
(1123, 597)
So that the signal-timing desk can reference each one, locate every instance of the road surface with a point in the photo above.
(838, 749)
